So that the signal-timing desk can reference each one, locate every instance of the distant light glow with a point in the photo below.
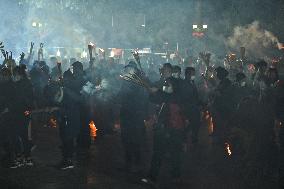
(39, 25)
(34, 24)
(111, 53)
(58, 53)
(84, 54)
(194, 26)
(205, 26)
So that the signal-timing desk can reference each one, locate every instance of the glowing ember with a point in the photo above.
(93, 130)
(228, 149)
(280, 46)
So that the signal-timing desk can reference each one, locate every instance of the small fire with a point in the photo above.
(228, 149)
(93, 130)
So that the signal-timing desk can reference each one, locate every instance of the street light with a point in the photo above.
(84, 54)
(34, 24)
(58, 54)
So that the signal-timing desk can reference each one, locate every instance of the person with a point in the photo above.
(169, 129)
(70, 120)
(260, 79)
(22, 106)
(133, 108)
(165, 73)
(241, 87)
(7, 133)
(223, 104)
(39, 75)
(176, 72)
(279, 115)
(191, 103)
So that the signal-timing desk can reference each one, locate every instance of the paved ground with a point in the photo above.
(205, 167)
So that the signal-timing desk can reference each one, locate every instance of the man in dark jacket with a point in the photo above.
(191, 103)
(22, 106)
(169, 129)
(223, 105)
(133, 101)
(7, 132)
(70, 123)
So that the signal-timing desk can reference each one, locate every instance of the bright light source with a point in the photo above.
(39, 25)
(58, 53)
(111, 54)
(194, 26)
(34, 24)
(84, 54)
(204, 26)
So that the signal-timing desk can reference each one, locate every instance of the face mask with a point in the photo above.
(176, 75)
(168, 89)
(192, 77)
(243, 84)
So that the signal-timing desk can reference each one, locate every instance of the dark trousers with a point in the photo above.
(24, 136)
(167, 141)
(84, 139)
(281, 158)
(132, 134)
(194, 124)
(67, 148)
(67, 136)
(14, 136)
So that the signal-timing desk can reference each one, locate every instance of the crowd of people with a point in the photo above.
(245, 100)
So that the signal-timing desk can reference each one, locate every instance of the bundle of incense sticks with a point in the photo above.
(136, 79)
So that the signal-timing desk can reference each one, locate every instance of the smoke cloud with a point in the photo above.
(257, 41)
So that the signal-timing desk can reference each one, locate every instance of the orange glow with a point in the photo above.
(232, 57)
(280, 46)
(27, 113)
(93, 129)
(209, 120)
(228, 149)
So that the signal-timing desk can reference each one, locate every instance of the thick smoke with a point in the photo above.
(131, 24)
(257, 41)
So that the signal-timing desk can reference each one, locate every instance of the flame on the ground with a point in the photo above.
(93, 129)
(228, 149)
